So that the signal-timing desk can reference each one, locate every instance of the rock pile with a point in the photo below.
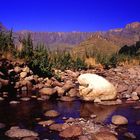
(120, 82)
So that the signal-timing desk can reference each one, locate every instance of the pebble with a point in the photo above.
(51, 113)
(16, 132)
(129, 135)
(1, 99)
(46, 123)
(14, 102)
(25, 99)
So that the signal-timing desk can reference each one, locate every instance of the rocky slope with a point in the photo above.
(95, 44)
(111, 41)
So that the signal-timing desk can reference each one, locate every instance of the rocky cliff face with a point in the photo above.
(125, 36)
(119, 37)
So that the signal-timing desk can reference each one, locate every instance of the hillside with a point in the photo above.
(109, 42)
(93, 45)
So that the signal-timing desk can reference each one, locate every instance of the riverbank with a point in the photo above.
(22, 93)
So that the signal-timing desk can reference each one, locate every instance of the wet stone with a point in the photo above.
(31, 138)
(56, 127)
(83, 138)
(1, 99)
(71, 131)
(46, 123)
(14, 102)
(129, 135)
(25, 99)
(16, 132)
(104, 136)
(67, 99)
(119, 120)
(52, 113)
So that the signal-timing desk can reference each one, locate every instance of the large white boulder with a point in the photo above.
(95, 88)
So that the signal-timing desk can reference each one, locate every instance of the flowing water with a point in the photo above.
(25, 114)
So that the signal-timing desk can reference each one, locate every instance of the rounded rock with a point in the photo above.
(71, 131)
(119, 120)
(104, 136)
(52, 113)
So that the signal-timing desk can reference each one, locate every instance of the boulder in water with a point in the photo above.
(94, 87)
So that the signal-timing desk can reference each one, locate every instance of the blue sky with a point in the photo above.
(68, 15)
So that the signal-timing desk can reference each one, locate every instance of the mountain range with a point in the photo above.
(111, 40)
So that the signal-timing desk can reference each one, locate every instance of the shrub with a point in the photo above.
(27, 47)
(40, 63)
(7, 42)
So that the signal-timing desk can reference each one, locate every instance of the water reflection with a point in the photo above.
(25, 114)
(102, 112)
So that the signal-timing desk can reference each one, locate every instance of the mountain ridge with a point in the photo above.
(119, 36)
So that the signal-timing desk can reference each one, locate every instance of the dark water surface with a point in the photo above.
(24, 115)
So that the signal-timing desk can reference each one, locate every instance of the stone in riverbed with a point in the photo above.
(73, 92)
(68, 85)
(30, 138)
(14, 102)
(56, 83)
(60, 91)
(46, 123)
(52, 113)
(108, 103)
(4, 82)
(83, 138)
(119, 120)
(25, 99)
(93, 87)
(26, 83)
(56, 127)
(24, 88)
(122, 88)
(45, 97)
(104, 136)
(129, 135)
(47, 91)
(71, 131)
(135, 97)
(67, 99)
(138, 90)
(70, 120)
(17, 69)
(16, 132)
(23, 74)
(71, 73)
(26, 69)
(1, 99)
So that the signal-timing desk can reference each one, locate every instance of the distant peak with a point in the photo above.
(116, 30)
(133, 25)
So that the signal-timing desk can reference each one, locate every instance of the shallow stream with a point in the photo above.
(24, 115)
